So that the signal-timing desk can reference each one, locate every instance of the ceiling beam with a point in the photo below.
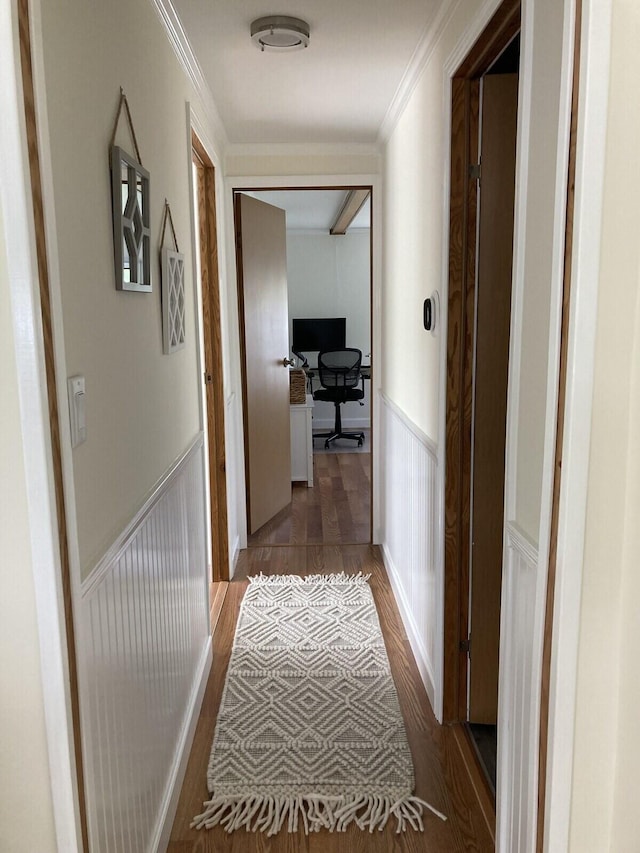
(352, 204)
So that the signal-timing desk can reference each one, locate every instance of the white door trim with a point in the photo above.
(587, 227)
(517, 797)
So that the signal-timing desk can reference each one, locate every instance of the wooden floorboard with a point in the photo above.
(336, 510)
(440, 772)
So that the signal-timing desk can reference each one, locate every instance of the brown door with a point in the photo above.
(262, 273)
(495, 253)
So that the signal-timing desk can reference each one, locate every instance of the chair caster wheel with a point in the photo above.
(360, 442)
(327, 445)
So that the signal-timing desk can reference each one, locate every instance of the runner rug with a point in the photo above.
(309, 731)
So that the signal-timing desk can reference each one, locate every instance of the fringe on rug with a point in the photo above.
(341, 577)
(268, 814)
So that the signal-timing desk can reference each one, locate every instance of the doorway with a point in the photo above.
(329, 281)
(483, 144)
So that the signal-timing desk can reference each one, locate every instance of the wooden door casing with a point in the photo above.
(490, 375)
(499, 32)
(212, 345)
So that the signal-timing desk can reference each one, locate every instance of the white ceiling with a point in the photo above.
(338, 90)
(313, 210)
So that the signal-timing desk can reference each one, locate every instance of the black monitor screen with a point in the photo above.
(319, 334)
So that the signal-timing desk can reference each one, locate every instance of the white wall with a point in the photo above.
(26, 811)
(413, 216)
(604, 812)
(330, 277)
(142, 406)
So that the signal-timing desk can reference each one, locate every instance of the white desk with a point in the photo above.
(302, 441)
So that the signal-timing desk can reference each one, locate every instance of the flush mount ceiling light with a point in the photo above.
(280, 32)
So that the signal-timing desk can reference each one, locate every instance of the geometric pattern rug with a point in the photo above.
(309, 731)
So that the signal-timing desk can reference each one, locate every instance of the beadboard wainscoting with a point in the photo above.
(144, 655)
(410, 535)
(520, 674)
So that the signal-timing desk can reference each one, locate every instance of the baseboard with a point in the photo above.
(176, 778)
(419, 653)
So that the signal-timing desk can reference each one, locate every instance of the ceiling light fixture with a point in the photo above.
(280, 32)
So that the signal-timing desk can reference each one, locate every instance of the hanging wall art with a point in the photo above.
(173, 319)
(130, 184)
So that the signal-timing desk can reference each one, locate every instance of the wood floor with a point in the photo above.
(441, 776)
(336, 511)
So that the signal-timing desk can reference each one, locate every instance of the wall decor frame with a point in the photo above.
(172, 266)
(173, 303)
(130, 184)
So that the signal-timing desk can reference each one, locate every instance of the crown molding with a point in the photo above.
(187, 58)
(429, 39)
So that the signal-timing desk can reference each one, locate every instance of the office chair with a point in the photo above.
(339, 375)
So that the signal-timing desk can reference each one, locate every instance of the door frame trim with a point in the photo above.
(293, 182)
(591, 135)
(462, 205)
(213, 400)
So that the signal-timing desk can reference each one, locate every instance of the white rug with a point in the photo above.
(309, 730)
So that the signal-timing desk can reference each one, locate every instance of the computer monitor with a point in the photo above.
(319, 334)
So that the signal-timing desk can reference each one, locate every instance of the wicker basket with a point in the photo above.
(297, 386)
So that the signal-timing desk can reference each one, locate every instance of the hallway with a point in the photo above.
(441, 775)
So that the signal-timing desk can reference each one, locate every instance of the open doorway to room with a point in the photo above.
(328, 251)
(483, 155)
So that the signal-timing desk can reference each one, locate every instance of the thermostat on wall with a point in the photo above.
(431, 312)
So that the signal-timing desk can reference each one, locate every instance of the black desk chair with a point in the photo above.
(339, 375)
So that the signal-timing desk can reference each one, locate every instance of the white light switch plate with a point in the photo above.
(77, 416)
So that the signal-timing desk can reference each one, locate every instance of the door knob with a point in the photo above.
(288, 362)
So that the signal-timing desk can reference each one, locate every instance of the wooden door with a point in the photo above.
(262, 274)
(493, 312)
(212, 345)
